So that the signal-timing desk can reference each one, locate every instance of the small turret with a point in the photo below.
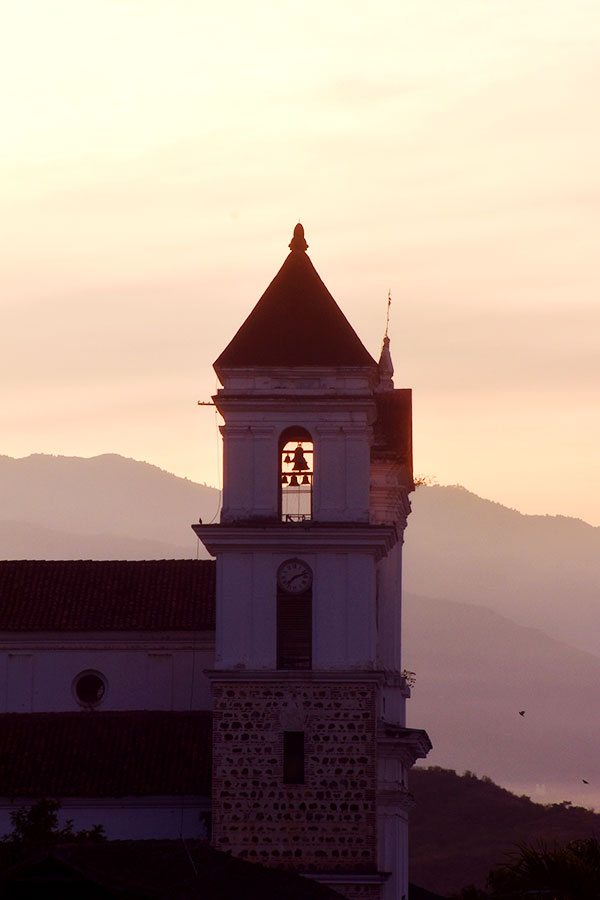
(386, 367)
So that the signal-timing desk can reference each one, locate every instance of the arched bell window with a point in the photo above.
(295, 474)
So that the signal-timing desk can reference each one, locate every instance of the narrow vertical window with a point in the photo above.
(293, 757)
(294, 615)
(295, 474)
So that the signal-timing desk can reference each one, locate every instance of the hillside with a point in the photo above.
(30, 540)
(105, 507)
(475, 671)
(533, 569)
(476, 666)
(462, 826)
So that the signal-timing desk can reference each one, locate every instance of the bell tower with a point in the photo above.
(310, 748)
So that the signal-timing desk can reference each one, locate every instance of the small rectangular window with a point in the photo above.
(293, 757)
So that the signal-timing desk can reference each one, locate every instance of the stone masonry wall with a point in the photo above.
(326, 824)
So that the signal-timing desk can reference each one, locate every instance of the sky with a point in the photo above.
(156, 154)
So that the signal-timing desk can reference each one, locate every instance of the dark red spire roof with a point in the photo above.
(296, 322)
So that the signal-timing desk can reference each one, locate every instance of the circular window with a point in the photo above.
(89, 688)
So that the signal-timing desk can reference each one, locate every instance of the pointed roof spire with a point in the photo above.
(296, 322)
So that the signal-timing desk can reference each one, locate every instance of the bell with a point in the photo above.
(287, 458)
(305, 479)
(294, 481)
(300, 463)
(284, 479)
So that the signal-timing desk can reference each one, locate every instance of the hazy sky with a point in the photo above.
(156, 154)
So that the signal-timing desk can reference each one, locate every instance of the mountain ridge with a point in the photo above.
(453, 812)
(130, 499)
(531, 568)
(475, 671)
(500, 610)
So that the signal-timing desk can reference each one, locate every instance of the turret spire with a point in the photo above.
(386, 367)
(385, 364)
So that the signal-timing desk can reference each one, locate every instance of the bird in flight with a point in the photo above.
(521, 712)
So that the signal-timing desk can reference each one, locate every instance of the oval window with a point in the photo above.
(89, 688)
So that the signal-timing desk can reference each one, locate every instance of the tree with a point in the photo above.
(427, 480)
(36, 828)
(568, 872)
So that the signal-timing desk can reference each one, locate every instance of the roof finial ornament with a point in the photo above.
(387, 316)
(385, 365)
(298, 242)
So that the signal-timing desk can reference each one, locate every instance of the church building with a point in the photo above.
(263, 691)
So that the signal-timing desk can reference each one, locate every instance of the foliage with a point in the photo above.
(409, 677)
(567, 872)
(424, 479)
(464, 825)
(36, 828)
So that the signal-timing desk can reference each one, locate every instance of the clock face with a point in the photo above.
(294, 576)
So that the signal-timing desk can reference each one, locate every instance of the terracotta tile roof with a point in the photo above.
(296, 322)
(87, 595)
(157, 869)
(105, 754)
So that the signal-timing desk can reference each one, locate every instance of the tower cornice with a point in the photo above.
(304, 676)
(406, 744)
(296, 537)
(278, 403)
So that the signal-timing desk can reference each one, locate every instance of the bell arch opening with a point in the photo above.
(296, 471)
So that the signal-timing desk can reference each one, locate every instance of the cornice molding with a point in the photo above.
(405, 744)
(375, 539)
(296, 677)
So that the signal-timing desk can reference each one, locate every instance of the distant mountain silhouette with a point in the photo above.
(476, 565)
(542, 571)
(106, 507)
(18, 538)
(462, 826)
(475, 671)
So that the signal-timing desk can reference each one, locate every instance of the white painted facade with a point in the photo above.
(353, 545)
(141, 670)
(336, 408)
(127, 818)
